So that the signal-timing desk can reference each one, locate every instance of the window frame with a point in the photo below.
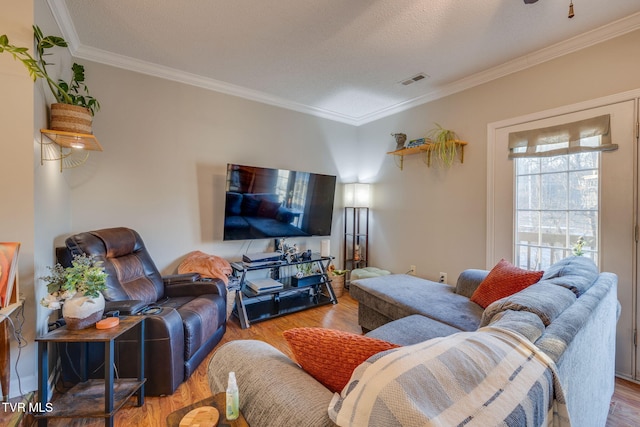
(555, 252)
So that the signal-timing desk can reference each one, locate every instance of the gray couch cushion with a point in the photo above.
(412, 330)
(401, 295)
(575, 273)
(544, 299)
(469, 280)
(560, 333)
(522, 322)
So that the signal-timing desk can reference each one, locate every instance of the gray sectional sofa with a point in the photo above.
(570, 315)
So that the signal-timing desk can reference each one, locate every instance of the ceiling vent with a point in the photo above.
(414, 79)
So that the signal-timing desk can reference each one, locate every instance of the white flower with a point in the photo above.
(55, 305)
(67, 294)
(51, 302)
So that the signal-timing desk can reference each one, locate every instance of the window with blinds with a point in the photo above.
(557, 187)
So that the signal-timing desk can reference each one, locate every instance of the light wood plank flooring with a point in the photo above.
(625, 406)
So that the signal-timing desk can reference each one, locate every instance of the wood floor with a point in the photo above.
(625, 405)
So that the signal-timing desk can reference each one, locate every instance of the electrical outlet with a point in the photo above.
(412, 270)
(443, 277)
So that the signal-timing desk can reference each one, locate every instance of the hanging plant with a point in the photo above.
(74, 92)
(444, 146)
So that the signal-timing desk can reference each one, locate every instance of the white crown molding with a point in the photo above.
(574, 44)
(169, 73)
(595, 36)
(64, 21)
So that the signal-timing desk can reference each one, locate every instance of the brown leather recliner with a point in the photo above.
(188, 323)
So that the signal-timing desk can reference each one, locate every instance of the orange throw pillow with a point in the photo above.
(330, 356)
(503, 280)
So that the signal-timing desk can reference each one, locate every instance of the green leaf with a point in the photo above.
(63, 85)
(37, 32)
(78, 72)
(51, 41)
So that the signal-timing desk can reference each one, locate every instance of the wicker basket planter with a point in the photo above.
(337, 283)
(70, 118)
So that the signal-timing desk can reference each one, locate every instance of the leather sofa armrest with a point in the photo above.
(180, 278)
(469, 280)
(214, 286)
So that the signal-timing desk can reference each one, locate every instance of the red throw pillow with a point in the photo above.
(503, 280)
(330, 356)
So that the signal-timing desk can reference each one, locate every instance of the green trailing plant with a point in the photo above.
(335, 272)
(444, 146)
(85, 275)
(339, 272)
(305, 269)
(74, 92)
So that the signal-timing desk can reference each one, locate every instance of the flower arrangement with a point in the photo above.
(577, 247)
(85, 275)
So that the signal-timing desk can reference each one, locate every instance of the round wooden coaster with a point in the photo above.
(204, 416)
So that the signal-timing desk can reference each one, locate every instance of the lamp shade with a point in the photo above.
(357, 195)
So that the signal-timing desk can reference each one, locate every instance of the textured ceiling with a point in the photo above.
(339, 59)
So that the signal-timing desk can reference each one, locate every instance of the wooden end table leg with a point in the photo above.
(108, 382)
(43, 376)
(141, 357)
(5, 359)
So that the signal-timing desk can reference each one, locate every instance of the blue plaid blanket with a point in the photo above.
(491, 377)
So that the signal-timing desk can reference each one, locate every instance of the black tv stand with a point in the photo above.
(296, 294)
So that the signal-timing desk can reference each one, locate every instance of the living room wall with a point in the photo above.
(435, 218)
(166, 148)
(36, 198)
(167, 144)
(16, 174)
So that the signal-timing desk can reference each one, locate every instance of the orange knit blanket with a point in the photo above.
(211, 266)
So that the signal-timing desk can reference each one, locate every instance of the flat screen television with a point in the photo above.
(264, 203)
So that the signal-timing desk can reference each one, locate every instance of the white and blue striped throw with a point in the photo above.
(491, 377)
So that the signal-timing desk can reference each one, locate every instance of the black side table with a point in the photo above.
(85, 398)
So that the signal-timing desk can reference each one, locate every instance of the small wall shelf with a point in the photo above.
(69, 148)
(426, 147)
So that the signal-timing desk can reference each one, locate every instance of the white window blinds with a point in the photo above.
(592, 134)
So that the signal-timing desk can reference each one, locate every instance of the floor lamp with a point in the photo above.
(356, 226)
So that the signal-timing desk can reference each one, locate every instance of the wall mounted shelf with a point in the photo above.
(424, 148)
(69, 148)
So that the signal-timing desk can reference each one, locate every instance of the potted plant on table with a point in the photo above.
(77, 290)
(75, 107)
